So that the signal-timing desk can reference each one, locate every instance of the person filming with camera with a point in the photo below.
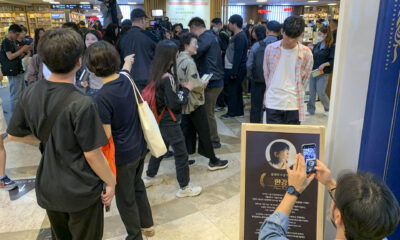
(362, 206)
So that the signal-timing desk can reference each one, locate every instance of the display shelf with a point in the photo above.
(77, 17)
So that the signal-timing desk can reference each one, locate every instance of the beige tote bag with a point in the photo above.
(151, 130)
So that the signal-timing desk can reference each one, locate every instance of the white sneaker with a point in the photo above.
(151, 181)
(189, 191)
(307, 113)
(326, 114)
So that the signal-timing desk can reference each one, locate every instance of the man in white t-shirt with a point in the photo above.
(287, 67)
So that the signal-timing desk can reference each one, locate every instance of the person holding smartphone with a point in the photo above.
(194, 118)
(362, 206)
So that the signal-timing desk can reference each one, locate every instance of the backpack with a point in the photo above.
(258, 63)
(149, 95)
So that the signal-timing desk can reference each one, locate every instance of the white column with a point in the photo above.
(355, 43)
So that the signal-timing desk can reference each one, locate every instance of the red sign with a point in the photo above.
(288, 9)
(264, 11)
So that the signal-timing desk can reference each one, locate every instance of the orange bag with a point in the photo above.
(109, 152)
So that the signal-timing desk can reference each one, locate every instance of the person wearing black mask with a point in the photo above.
(140, 42)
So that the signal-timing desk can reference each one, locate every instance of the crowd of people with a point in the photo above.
(80, 98)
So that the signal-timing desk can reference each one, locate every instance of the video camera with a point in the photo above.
(160, 24)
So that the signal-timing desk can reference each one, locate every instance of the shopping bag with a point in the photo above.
(151, 131)
(109, 152)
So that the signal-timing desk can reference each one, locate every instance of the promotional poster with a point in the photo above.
(265, 179)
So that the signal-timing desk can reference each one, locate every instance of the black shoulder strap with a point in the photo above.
(48, 124)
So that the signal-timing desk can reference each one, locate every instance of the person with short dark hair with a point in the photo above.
(362, 206)
(73, 171)
(287, 67)
(177, 29)
(208, 61)
(140, 42)
(119, 114)
(324, 56)
(82, 28)
(235, 65)
(194, 119)
(217, 28)
(71, 25)
(11, 63)
(279, 153)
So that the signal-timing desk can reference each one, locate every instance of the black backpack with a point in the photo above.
(258, 63)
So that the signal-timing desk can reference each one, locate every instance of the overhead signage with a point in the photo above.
(71, 6)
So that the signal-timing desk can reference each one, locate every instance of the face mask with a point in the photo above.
(320, 38)
(215, 29)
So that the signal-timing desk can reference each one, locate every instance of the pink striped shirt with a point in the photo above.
(304, 66)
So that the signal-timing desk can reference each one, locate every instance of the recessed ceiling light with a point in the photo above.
(332, 4)
(262, 0)
(131, 3)
(84, 2)
(285, 4)
(241, 4)
(307, 6)
(313, 1)
(54, 2)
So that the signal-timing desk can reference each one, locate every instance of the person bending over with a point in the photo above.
(362, 206)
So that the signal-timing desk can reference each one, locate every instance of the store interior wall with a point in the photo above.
(355, 43)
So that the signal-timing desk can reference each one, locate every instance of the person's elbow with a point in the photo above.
(92, 156)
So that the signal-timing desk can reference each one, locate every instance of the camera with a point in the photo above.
(159, 26)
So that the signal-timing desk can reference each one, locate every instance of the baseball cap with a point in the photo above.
(138, 13)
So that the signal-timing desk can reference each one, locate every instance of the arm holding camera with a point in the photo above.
(277, 224)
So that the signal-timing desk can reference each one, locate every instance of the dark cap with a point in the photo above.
(138, 13)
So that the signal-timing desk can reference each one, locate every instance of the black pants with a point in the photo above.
(87, 224)
(194, 124)
(235, 93)
(222, 100)
(131, 196)
(282, 117)
(173, 137)
(257, 102)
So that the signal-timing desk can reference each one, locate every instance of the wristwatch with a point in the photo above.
(292, 191)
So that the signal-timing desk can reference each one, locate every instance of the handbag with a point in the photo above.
(151, 131)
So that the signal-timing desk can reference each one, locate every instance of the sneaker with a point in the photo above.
(148, 232)
(221, 164)
(216, 145)
(169, 154)
(191, 162)
(189, 191)
(226, 116)
(151, 181)
(240, 116)
(219, 109)
(308, 113)
(7, 183)
(326, 114)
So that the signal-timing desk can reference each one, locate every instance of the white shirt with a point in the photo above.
(282, 95)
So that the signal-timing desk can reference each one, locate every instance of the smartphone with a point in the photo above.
(207, 77)
(310, 156)
(104, 192)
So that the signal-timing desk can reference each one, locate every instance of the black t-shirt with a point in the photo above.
(117, 107)
(65, 182)
(16, 63)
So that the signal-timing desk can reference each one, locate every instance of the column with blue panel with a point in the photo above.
(380, 144)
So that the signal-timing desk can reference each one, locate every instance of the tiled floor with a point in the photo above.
(213, 215)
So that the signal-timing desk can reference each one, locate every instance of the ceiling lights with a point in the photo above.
(332, 4)
(84, 2)
(241, 4)
(313, 1)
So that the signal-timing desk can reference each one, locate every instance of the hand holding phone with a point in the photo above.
(310, 156)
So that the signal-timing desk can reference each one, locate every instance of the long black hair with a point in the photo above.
(36, 41)
(109, 34)
(164, 59)
(95, 33)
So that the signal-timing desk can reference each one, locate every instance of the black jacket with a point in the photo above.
(321, 56)
(241, 48)
(208, 58)
(168, 94)
(142, 43)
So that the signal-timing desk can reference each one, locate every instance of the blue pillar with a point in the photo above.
(380, 143)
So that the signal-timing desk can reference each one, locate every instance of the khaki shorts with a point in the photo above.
(3, 124)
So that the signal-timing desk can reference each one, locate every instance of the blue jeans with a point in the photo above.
(318, 86)
(17, 86)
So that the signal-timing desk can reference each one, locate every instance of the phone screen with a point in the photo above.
(310, 156)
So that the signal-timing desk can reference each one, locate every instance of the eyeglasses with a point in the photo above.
(331, 194)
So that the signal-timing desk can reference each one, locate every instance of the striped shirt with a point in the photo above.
(303, 70)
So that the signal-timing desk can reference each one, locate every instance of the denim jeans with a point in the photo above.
(257, 102)
(318, 86)
(17, 86)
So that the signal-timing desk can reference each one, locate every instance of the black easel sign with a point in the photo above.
(264, 179)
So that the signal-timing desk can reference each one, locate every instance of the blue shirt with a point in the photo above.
(275, 227)
(117, 107)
